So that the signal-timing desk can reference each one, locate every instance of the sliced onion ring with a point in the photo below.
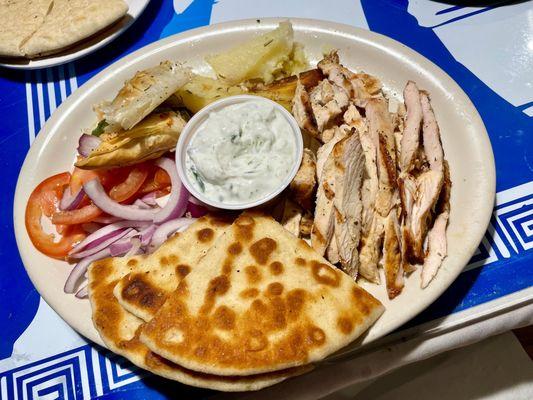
(83, 293)
(105, 233)
(165, 230)
(97, 194)
(104, 244)
(69, 201)
(177, 202)
(150, 198)
(87, 144)
(122, 246)
(80, 268)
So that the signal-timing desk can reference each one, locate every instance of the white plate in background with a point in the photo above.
(84, 47)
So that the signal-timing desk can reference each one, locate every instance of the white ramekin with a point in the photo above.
(199, 118)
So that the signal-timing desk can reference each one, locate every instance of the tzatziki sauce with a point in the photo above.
(241, 153)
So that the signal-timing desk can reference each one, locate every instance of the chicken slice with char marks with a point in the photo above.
(328, 101)
(392, 263)
(411, 133)
(292, 216)
(358, 86)
(324, 222)
(437, 244)
(303, 186)
(349, 165)
(302, 111)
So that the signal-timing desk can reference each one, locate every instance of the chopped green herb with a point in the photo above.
(267, 43)
(198, 179)
(99, 128)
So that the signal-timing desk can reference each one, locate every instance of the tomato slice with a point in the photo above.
(78, 216)
(125, 190)
(158, 181)
(161, 177)
(43, 200)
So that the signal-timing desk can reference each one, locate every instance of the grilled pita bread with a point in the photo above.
(143, 93)
(145, 289)
(260, 300)
(37, 27)
(119, 330)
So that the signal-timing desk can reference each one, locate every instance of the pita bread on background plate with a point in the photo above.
(260, 300)
(33, 28)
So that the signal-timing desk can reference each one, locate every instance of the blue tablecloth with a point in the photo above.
(488, 51)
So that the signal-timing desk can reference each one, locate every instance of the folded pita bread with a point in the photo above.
(143, 291)
(141, 94)
(119, 330)
(37, 27)
(260, 300)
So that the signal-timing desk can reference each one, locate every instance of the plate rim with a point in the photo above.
(383, 42)
(64, 57)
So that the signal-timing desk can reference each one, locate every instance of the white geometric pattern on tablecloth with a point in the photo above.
(82, 373)
(511, 227)
(64, 376)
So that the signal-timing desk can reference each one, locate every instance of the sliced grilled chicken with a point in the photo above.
(324, 222)
(437, 243)
(382, 134)
(303, 186)
(407, 191)
(411, 134)
(392, 263)
(370, 252)
(302, 111)
(372, 227)
(429, 183)
(349, 165)
(292, 215)
(306, 224)
(332, 252)
(356, 85)
(431, 135)
(437, 249)
(428, 186)
(328, 101)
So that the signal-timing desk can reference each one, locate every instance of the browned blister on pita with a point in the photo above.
(260, 300)
(143, 291)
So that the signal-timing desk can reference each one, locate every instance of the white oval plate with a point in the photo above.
(464, 137)
(136, 7)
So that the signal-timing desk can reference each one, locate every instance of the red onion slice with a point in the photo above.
(87, 144)
(142, 205)
(177, 202)
(80, 268)
(165, 230)
(150, 198)
(104, 244)
(83, 293)
(105, 233)
(196, 210)
(69, 201)
(135, 247)
(146, 234)
(97, 194)
(122, 246)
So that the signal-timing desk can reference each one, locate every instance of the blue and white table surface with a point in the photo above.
(488, 50)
